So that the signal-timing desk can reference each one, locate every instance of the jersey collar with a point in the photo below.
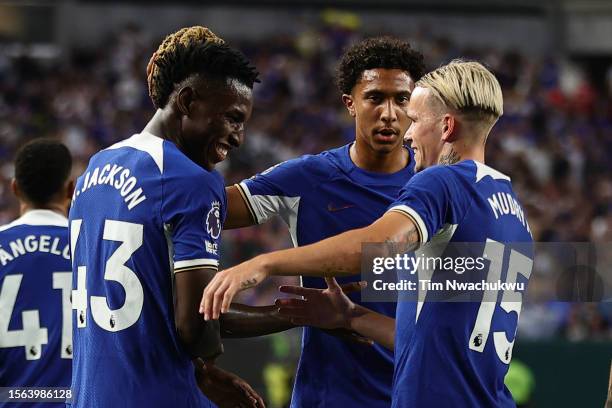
(39, 217)
(483, 170)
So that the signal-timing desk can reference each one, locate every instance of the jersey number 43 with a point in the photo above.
(130, 236)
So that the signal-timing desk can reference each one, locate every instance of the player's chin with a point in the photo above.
(418, 166)
(385, 146)
(216, 155)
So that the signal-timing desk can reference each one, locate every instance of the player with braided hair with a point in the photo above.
(145, 227)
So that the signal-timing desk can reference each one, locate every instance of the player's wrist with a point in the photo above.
(264, 265)
(352, 317)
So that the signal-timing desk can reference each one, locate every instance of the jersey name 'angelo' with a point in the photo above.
(33, 243)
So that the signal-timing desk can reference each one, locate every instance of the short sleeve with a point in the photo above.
(426, 200)
(274, 191)
(193, 213)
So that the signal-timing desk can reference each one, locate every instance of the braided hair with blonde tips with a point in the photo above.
(194, 51)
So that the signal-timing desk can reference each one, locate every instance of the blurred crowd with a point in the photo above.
(554, 139)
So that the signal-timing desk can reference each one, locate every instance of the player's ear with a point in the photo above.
(448, 128)
(184, 99)
(15, 188)
(69, 188)
(347, 100)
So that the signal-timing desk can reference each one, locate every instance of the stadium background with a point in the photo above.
(75, 70)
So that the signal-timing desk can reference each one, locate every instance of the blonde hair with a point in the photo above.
(467, 87)
(168, 53)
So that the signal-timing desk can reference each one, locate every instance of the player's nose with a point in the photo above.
(388, 113)
(236, 138)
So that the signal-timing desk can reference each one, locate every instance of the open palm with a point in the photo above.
(324, 308)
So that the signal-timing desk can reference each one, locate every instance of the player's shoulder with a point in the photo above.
(326, 163)
(314, 161)
(468, 170)
(39, 219)
(166, 156)
(176, 172)
(189, 180)
(484, 172)
(314, 166)
(436, 174)
(151, 147)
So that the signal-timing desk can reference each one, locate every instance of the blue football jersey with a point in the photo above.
(320, 196)
(35, 285)
(141, 212)
(456, 354)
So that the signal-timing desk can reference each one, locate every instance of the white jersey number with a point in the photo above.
(510, 302)
(32, 336)
(130, 236)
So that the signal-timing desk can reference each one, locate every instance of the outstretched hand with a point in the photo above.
(324, 308)
(219, 293)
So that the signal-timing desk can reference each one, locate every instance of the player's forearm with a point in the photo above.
(339, 255)
(336, 256)
(374, 326)
(201, 339)
(250, 321)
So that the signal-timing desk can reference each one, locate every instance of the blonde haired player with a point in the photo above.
(446, 354)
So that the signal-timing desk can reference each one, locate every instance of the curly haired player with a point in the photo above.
(144, 228)
(450, 352)
(340, 189)
(35, 277)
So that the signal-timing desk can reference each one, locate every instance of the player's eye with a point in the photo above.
(403, 99)
(235, 118)
(375, 98)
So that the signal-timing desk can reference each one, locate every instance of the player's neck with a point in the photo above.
(160, 125)
(367, 159)
(55, 207)
(455, 153)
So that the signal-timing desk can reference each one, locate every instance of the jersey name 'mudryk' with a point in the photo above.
(118, 177)
(33, 243)
(503, 204)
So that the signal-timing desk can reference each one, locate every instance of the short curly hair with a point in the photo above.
(194, 50)
(42, 167)
(377, 52)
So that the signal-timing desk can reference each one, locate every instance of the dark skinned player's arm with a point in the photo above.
(249, 321)
(203, 339)
(238, 213)
(373, 325)
(336, 256)
(245, 320)
(341, 255)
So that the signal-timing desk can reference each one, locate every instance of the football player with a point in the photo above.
(319, 196)
(145, 225)
(35, 274)
(447, 354)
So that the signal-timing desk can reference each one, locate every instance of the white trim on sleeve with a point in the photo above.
(196, 263)
(411, 213)
(265, 206)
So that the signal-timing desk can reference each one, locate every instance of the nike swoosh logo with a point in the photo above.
(332, 208)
